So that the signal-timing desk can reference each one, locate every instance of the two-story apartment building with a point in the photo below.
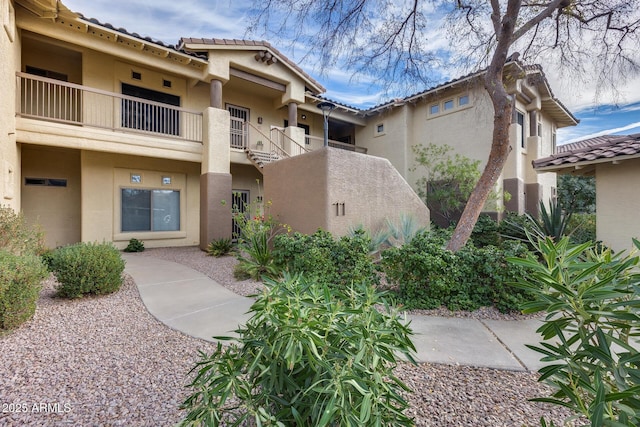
(459, 114)
(108, 135)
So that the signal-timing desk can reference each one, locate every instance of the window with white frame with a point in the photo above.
(449, 105)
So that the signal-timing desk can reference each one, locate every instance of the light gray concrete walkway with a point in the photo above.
(191, 302)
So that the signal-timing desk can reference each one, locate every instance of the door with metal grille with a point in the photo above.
(239, 115)
(239, 203)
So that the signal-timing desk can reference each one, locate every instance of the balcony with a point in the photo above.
(245, 136)
(68, 103)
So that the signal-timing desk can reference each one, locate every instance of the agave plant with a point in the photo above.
(553, 223)
(403, 231)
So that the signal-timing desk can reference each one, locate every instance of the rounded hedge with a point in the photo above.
(20, 278)
(87, 268)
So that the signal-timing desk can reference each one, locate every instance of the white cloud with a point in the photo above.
(612, 131)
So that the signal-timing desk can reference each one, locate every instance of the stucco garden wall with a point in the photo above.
(336, 190)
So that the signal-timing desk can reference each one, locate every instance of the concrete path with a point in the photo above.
(191, 302)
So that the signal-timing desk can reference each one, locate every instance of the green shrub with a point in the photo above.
(487, 277)
(429, 276)
(20, 278)
(310, 355)
(87, 268)
(592, 302)
(486, 232)
(325, 260)
(219, 247)
(16, 236)
(255, 256)
(134, 245)
(582, 228)
(424, 272)
(254, 243)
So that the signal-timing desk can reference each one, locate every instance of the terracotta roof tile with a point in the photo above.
(258, 43)
(138, 36)
(605, 147)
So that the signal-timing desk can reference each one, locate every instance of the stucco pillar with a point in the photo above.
(293, 114)
(215, 178)
(215, 207)
(216, 156)
(296, 134)
(215, 93)
(515, 187)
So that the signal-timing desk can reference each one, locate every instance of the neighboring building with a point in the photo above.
(614, 160)
(460, 114)
(106, 135)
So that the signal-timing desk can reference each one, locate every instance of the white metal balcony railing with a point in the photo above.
(70, 103)
(245, 136)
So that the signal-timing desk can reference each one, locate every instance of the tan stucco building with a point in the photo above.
(614, 160)
(106, 135)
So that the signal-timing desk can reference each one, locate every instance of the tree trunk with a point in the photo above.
(502, 107)
(500, 149)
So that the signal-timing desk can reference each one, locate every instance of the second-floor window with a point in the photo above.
(522, 141)
(151, 117)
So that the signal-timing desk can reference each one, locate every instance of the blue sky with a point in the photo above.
(168, 20)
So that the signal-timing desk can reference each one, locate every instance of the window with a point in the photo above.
(463, 100)
(46, 73)
(150, 117)
(520, 126)
(150, 210)
(435, 109)
(448, 105)
(46, 182)
(380, 128)
(539, 129)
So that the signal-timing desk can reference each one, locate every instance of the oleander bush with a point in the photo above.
(20, 278)
(426, 275)
(87, 269)
(591, 298)
(326, 260)
(18, 237)
(134, 245)
(310, 355)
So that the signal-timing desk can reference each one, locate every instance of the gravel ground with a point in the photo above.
(104, 361)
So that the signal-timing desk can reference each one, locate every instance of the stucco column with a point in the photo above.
(293, 114)
(296, 134)
(215, 178)
(215, 93)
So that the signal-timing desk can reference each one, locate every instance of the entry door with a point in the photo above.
(239, 202)
(239, 115)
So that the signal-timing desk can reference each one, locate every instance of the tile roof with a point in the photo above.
(534, 74)
(592, 150)
(585, 143)
(124, 31)
(252, 43)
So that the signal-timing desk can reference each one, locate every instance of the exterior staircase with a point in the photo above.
(259, 158)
